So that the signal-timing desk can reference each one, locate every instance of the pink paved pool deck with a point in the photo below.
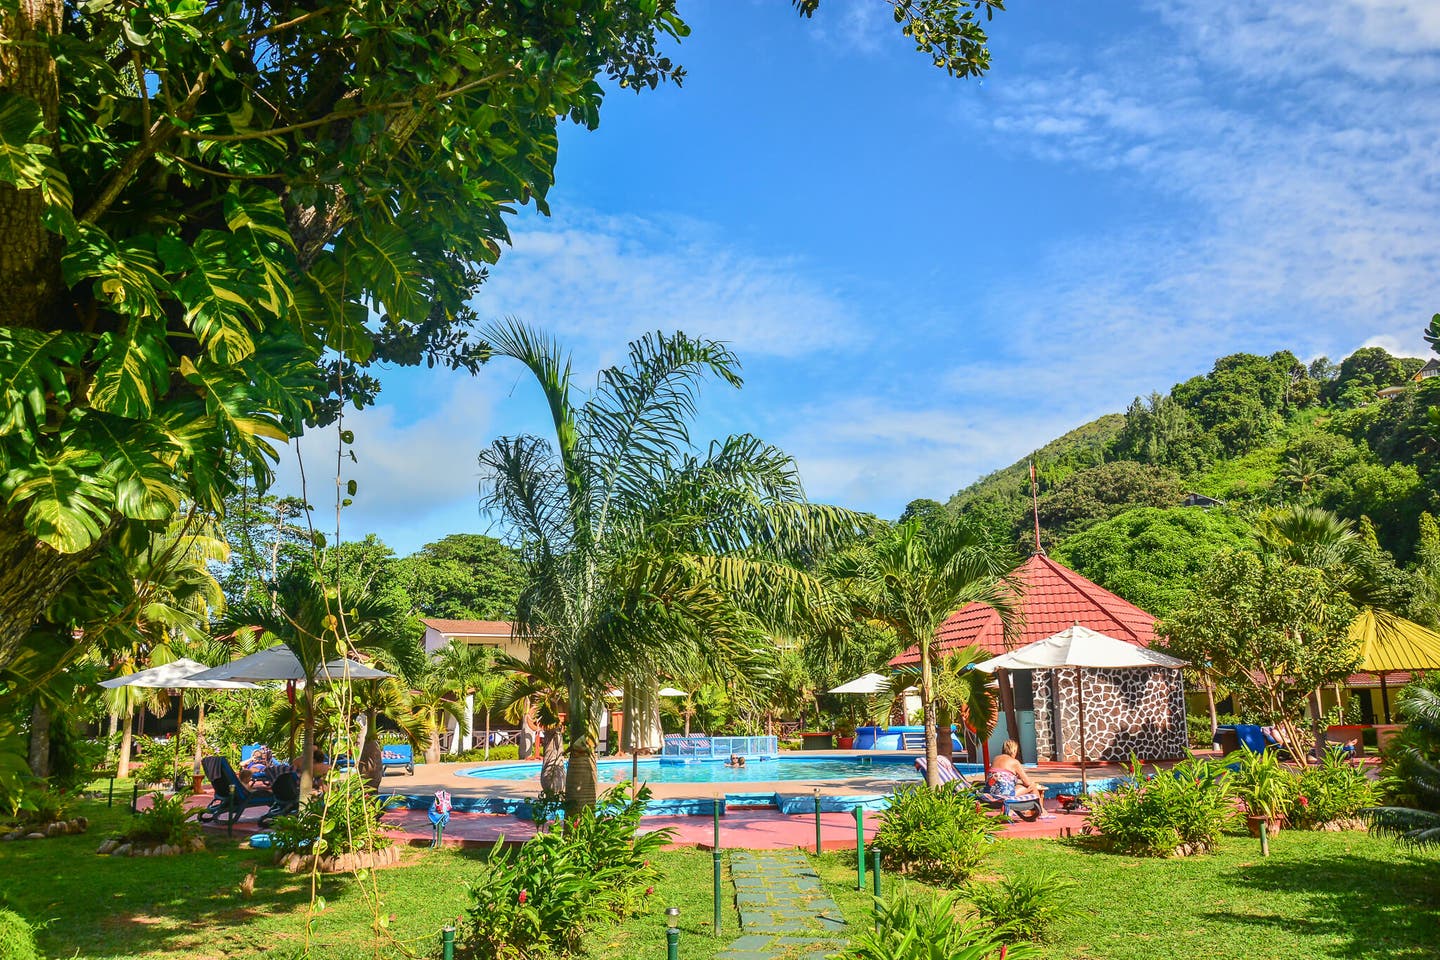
(748, 829)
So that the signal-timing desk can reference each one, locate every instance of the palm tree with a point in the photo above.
(961, 693)
(435, 696)
(1421, 704)
(174, 598)
(469, 666)
(913, 579)
(645, 558)
(319, 623)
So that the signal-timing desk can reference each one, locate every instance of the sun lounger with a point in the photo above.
(398, 755)
(944, 768)
(232, 798)
(286, 790)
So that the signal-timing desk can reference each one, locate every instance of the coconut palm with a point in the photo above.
(436, 696)
(319, 623)
(469, 666)
(914, 578)
(644, 556)
(961, 694)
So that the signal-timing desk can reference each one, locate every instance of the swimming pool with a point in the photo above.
(899, 769)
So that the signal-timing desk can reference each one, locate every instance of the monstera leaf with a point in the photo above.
(134, 370)
(32, 376)
(64, 500)
(23, 153)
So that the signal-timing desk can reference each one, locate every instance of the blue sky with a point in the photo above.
(927, 278)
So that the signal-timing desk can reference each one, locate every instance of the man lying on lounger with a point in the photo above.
(1007, 774)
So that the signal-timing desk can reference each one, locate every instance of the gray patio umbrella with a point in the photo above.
(177, 675)
(280, 663)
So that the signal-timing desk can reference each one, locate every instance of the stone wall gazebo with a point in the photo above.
(1139, 711)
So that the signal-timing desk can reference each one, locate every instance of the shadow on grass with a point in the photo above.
(189, 905)
(1361, 907)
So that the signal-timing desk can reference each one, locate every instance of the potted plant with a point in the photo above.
(1266, 787)
(845, 733)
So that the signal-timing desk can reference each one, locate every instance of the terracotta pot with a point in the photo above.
(1253, 824)
(845, 743)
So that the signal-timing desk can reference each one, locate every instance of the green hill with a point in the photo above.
(1255, 432)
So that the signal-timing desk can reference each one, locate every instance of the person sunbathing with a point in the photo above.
(1007, 774)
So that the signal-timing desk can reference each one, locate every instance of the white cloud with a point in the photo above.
(416, 478)
(604, 280)
(1297, 141)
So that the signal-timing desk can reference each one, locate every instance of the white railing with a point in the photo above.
(719, 748)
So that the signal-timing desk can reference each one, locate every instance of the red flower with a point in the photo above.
(649, 891)
(524, 895)
(1304, 802)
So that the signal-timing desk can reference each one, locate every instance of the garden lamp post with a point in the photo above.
(672, 933)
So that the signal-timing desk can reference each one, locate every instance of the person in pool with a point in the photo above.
(1007, 774)
(735, 761)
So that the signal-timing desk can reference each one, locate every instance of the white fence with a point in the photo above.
(685, 749)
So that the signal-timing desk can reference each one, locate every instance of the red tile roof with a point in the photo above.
(1053, 597)
(470, 628)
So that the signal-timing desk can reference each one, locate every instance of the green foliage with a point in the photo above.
(1361, 374)
(1263, 784)
(159, 763)
(1022, 906)
(167, 820)
(1156, 815)
(343, 819)
(1153, 557)
(38, 804)
(1243, 401)
(911, 927)
(464, 576)
(506, 751)
(935, 833)
(1272, 631)
(17, 940)
(1410, 769)
(1100, 492)
(541, 899)
(1333, 789)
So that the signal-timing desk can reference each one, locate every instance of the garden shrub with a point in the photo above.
(158, 763)
(37, 804)
(17, 940)
(1264, 784)
(935, 833)
(166, 820)
(1183, 810)
(506, 751)
(926, 928)
(1332, 790)
(343, 819)
(539, 900)
(1022, 907)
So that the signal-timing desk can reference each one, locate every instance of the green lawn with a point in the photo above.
(1318, 896)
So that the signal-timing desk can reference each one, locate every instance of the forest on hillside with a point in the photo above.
(1254, 433)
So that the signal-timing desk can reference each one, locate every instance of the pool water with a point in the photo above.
(782, 768)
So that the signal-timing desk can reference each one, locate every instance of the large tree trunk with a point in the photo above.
(432, 749)
(31, 573)
(127, 741)
(307, 748)
(39, 740)
(30, 283)
(927, 702)
(552, 763)
(110, 735)
(582, 774)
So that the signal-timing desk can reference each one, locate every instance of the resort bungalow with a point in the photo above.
(1431, 369)
(1139, 712)
(498, 634)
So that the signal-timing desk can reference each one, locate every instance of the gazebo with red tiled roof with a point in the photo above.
(1140, 712)
(1052, 598)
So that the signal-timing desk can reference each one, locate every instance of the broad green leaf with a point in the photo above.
(126, 273)
(33, 364)
(134, 369)
(139, 462)
(64, 501)
(22, 157)
(215, 289)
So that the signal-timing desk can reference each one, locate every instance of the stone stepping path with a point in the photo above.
(785, 913)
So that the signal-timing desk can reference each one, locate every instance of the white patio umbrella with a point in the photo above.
(280, 663)
(671, 692)
(1080, 648)
(871, 683)
(176, 675)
